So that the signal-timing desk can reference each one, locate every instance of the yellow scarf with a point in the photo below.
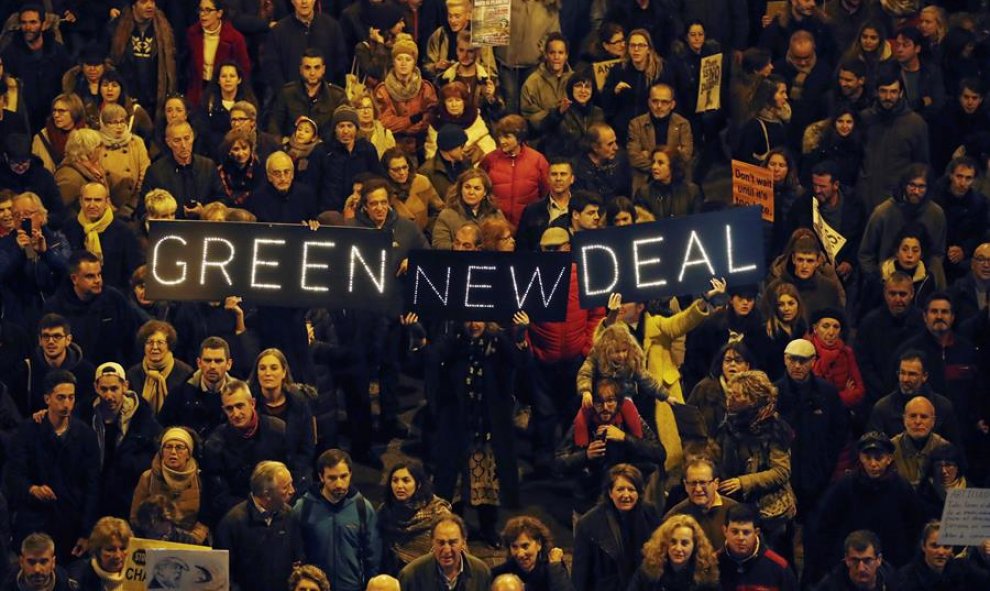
(93, 230)
(155, 385)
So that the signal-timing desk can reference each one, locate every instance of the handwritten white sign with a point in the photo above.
(965, 517)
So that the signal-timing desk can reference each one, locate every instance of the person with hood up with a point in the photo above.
(909, 204)
(457, 108)
(56, 351)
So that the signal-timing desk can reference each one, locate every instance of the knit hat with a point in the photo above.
(404, 44)
(110, 368)
(451, 136)
(828, 312)
(178, 434)
(382, 16)
(343, 114)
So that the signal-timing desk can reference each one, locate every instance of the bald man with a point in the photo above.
(281, 199)
(971, 293)
(913, 447)
(190, 178)
(99, 230)
(808, 79)
(383, 583)
(508, 582)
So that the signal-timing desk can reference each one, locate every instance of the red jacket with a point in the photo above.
(557, 341)
(231, 47)
(518, 181)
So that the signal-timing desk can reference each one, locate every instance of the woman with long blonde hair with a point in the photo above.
(677, 557)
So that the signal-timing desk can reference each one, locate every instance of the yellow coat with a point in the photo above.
(659, 336)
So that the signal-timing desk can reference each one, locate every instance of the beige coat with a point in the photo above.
(423, 203)
(124, 170)
(642, 140)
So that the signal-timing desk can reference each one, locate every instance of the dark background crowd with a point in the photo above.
(800, 433)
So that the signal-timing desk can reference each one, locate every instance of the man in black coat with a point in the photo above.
(539, 216)
(296, 33)
(746, 562)
(38, 61)
(347, 156)
(236, 447)
(873, 497)
(53, 472)
(55, 351)
(106, 236)
(190, 178)
(196, 403)
(967, 213)
(971, 294)
(261, 532)
(307, 94)
(912, 380)
(603, 168)
(281, 199)
(811, 406)
(38, 569)
(103, 321)
(952, 364)
(127, 432)
(863, 567)
(894, 322)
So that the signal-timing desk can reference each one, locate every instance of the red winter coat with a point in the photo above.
(517, 181)
(231, 47)
(557, 341)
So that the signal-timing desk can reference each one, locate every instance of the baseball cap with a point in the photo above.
(875, 441)
(110, 368)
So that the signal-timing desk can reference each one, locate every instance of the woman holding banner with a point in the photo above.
(107, 554)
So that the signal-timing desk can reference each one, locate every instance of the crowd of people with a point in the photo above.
(800, 433)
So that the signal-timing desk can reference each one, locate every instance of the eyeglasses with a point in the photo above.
(207, 10)
(156, 343)
(120, 122)
(239, 119)
(51, 337)
(603, 401)
(689, 484)
(176, 447)
(638, 46)
(616, 42)
(57, 111)
(981, 260)
(728, 359)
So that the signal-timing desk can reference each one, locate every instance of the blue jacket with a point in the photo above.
(337, 540)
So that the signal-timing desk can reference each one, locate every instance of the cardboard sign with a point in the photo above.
(491, 21)
(136, 563)
(753, 185)
(488, 286)
(965, 517)
(601, 70)
(675, 256)
(201, 569)
(710, 84)
(270, 264)
(832, 240)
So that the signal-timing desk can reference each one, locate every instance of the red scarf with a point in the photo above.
(58, 137)
(626, 419)
(252, 428)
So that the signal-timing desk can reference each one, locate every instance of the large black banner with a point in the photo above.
(488, 286)
(675, 256)
(271, 264)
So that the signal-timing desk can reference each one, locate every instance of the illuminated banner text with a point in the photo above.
(270, 264)
(489, 286)
(676, 256)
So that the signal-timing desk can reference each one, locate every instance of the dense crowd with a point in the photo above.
(804, 432)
